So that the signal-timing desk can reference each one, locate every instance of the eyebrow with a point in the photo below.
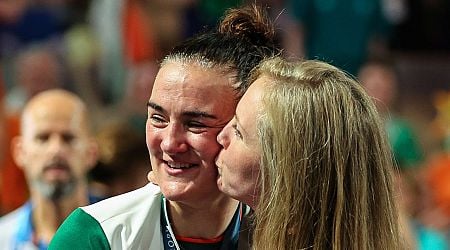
(155, 106)
(192, 114)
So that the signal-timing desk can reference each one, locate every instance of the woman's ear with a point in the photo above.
(151, 178)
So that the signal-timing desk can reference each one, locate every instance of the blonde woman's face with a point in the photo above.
(238, 160)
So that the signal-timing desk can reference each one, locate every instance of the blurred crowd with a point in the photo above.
(107, 52)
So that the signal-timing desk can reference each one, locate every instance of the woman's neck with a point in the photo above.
(206, 221)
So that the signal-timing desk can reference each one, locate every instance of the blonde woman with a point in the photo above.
(311, 158)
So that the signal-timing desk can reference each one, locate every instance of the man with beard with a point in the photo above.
(55, 150)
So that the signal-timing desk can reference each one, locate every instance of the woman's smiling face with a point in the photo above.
(188, 107)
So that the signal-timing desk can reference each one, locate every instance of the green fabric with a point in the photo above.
(339, 32)
(405, 144)
(79, 231)
(213, 10)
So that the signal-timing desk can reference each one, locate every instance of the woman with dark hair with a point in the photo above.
(194, 95)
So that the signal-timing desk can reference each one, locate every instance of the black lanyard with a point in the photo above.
(231, 235)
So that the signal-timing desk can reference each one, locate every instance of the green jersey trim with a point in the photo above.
(80, 231)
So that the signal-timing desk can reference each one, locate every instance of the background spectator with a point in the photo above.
(123, 161)
(55, 149)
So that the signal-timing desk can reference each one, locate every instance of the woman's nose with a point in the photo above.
(223, 138)
(174, 140)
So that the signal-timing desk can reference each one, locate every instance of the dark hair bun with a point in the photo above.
(250, 22)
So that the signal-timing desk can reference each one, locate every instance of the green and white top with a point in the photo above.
(128, 221)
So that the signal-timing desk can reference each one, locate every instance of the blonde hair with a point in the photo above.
(325, 165)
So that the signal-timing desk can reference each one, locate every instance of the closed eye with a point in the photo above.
(196, 127)
(194, 124)
(236, 131)
(157, 120)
